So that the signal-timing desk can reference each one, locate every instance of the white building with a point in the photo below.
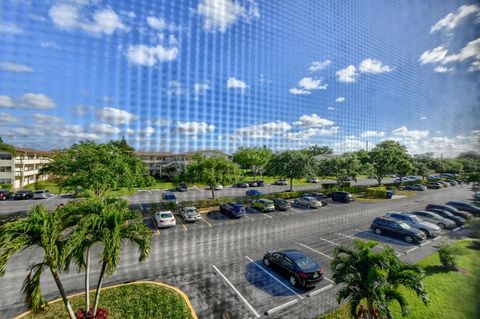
(22, 168)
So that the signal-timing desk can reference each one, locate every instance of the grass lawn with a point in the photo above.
(52, 187)
(142, 300)
(453, 295)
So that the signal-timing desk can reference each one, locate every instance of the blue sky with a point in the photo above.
(219, 74)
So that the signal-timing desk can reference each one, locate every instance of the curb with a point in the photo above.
(177, 290)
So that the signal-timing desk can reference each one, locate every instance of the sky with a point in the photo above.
(219, 74)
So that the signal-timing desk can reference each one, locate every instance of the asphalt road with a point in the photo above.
(217, 261)
(152, 196)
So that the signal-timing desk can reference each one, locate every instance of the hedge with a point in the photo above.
(376, 192)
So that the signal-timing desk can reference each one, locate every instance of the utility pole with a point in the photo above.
(366, 145)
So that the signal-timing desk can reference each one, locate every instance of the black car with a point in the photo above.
(233, 209)
(242, 185)
(396, 228)
(252, 184)
(450, 209)
(23, 194)
(319, 196)
(281, 204)
(301, 270)
(459, 221)
(466, 207)
(433, 186)
(182, 187)
(260, 183)
(342, 197)
(5, 194)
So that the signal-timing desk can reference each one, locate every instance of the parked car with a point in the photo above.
(452, 182)
(23, 194)
(242, 185)
(406, 179)
(450, 209)
(253, 192)
(233, 209)
(260, 183)
(169, 197)
(189, 214)
(416, 187)
(216, 187)
(263, 205)
(389, 193)
(182, 187)
(164, 219)
(395, 228)
(321, 197)
(434, 185)
(41, 194)
(313, 180)
(445, 184)
(252, 184)
(281, 204)
(281, 182)
(342, 197)
(451, 175)
(465, 206)
(430, 230)
(446, 214)
(310, 202)
(476, 196)
(5, 194)
(431, 217)
(301, 270)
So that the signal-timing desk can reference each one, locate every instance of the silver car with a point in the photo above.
(431, 230)
(308, 201)
(41, 194)
(189, 214)
(165, 219)
(436, 219)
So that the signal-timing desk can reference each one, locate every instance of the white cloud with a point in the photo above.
(373, 66)
(312, 84)
(471, 50)
(330, 108)
(262, 131)
(175, 88)
(312, 121)
(46, 119)
(148, 56)
(340, 99)
(234, 83)
(8, 118)
(451, 20)
(104, 128)
(129, 131)
(6, 101)
(19, 131)
(201, 88)
(218, 15)
(161, 122)
(433, 56)
(194, 128)
(10, 28)
(475, 66)
(412, 134)
(36, 101)
(116, 116)
(349, 144)
(297, 91)
(442, 69)
(348, 75)
(49, 45)
(372, 134)
(148, 131)
(423, 118)
(319, 65)
(312, 132)
(15, 67)
(157, 24)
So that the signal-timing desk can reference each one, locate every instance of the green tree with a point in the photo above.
(253, 158)
(421, 169)
(342, 167)
(374, 277)
(212, 171)
(385, 158)
(404, 167)
(315, 150)
(452, 166)
(448, 254)
(291, 164)
(97, 167)
(45, 230)
(6, 147)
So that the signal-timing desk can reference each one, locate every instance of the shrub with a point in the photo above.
(101, 314)
(39, 185)
(6, 186)
(376, 192)
(449, 254)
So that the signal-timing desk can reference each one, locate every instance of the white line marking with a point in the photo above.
(329, 280)
(237, 292)
(51, 198)
(425, 243)
(388, 239)
(318, 252)
(456, 229)
(437, 238)
(142, 207)
(284, 213)
(329, 241)
(203, 220)
(411, 249)
(313, 293)
(348, 236)
(290, 289)
(264, 214)
(282, 306)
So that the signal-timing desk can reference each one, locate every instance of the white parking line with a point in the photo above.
(282, 306)
(268, 273)
(348, 236)
(411, 249)
(203, 220)
(329, 280)
(237, 292)
(51, 198)
(315, 292)
(389, 239)
(425, 243)
(456, 229)
(263, 214)
(329, 241)
(437, 238)
(284, 213)
(318, 252)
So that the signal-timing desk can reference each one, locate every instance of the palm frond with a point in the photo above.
(31, 288)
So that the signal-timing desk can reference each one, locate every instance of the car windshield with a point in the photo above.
(305, 263)
(170, 197)
(39, 192)
(191, 211)
(166, 215)
(415, 218)
(404, 226)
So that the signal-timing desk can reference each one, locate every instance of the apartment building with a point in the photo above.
(22, 168)
(159, 162)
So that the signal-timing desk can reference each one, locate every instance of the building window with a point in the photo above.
(5, 181)
(5, 169)
(7, 157)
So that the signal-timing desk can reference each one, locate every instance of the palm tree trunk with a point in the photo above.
(87, 281)
(99, 287)
(67, 304)
(369, 309)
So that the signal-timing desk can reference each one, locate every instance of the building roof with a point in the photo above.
(30, 150)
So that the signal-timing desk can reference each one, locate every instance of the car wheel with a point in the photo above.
(263, 210)
(408, 239)
(425, 232)
(442, 226)
(378, 231)
(266, 262)
(293, 281)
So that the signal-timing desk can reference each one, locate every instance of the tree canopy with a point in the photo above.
(386, 157)
(6, 147)
(291, 164)
(253, 158)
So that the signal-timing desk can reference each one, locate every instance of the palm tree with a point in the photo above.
(47, 231)
(374, 277)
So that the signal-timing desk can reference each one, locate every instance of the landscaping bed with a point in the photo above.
(130, 301)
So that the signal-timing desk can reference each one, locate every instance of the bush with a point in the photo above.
(101, 314)
(6, 186)
(39, 185)
(376, 192)
(449, 254)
